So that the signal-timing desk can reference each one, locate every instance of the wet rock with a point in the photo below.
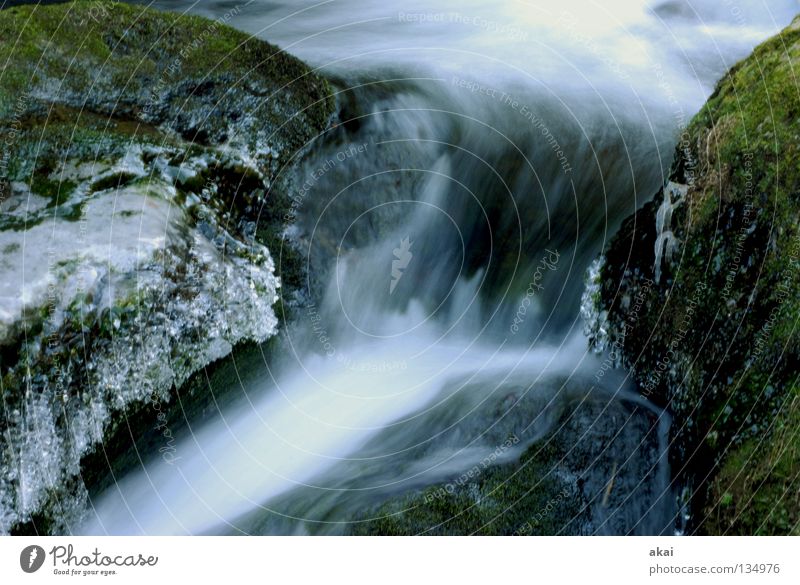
(139, 149)
(596, 471)
(715, 339)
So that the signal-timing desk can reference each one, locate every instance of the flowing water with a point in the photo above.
(485, 153)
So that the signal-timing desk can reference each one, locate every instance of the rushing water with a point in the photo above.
(487, 152)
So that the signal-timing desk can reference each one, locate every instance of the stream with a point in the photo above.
(484, 155)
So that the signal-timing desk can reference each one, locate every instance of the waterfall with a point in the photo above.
(474, 139)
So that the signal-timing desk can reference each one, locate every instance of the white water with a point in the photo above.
(614, 82)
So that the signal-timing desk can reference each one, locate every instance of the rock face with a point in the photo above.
(141, 164)
(699, 293)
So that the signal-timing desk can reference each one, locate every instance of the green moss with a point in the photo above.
(739, 234)
(42, 185)
(521, 498)
(757, 490)
(113, 181)
(99, 50)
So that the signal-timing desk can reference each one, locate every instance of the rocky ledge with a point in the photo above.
(699, 294)
(142, 158)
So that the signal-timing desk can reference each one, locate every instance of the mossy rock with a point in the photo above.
(757, 490)
(192, 74)
(716, 337)
(102, 102)
(88, 79)
(522, 498)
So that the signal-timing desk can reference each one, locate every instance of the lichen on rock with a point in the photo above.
(137, 164)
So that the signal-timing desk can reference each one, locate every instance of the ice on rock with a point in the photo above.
(595, 321)
(138, 286)
(666, 242)
(132, 162)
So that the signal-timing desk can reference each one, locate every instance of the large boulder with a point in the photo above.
(699, 294)
(142, 164)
